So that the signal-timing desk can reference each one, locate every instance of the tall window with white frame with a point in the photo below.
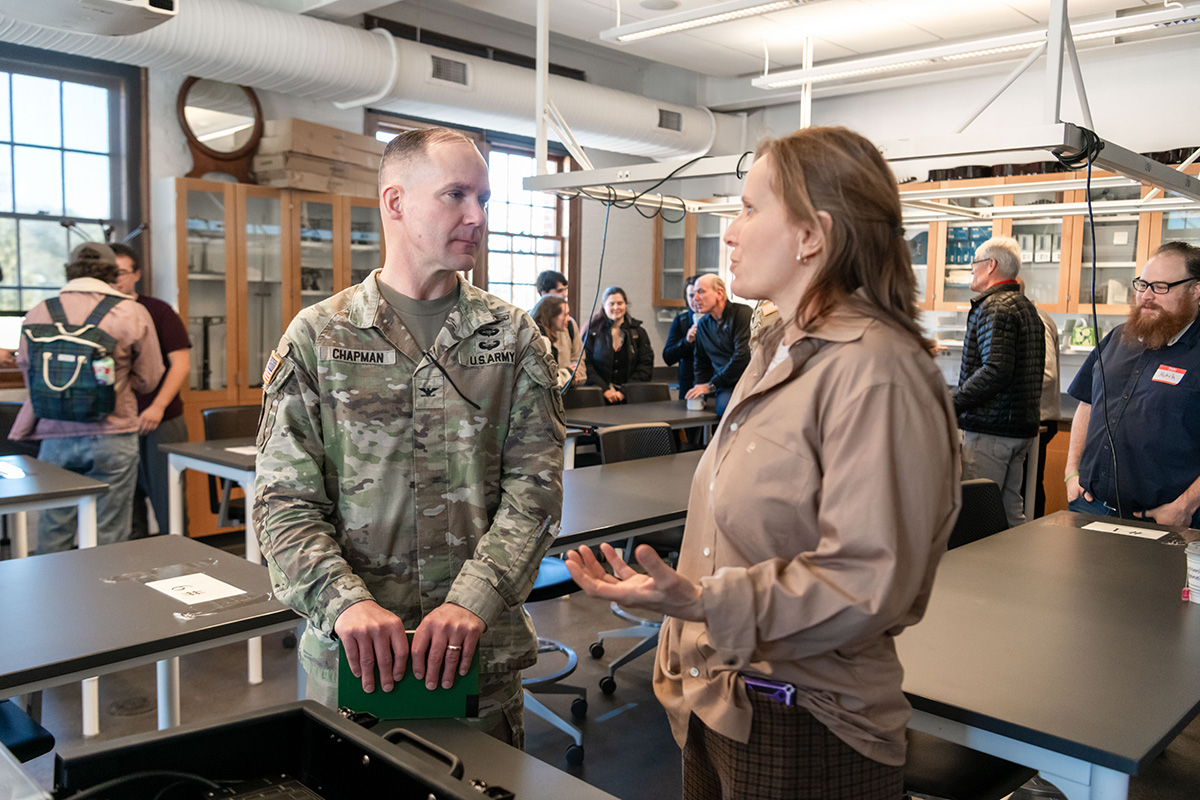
(527, 231)
(64, 171)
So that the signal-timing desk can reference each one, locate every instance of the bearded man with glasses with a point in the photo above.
(1151, 369)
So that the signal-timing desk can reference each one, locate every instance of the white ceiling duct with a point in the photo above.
(251, 45)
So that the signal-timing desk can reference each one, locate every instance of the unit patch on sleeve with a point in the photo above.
(330, 353)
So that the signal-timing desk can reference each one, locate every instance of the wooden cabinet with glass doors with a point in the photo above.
(685, 245)
(1057, 246)
(248, 259)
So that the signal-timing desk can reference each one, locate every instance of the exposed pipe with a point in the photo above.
(243, 43)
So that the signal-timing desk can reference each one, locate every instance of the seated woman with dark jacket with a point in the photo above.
(618, 349)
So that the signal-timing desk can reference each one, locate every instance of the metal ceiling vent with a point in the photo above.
(449, 70)
(670, 120)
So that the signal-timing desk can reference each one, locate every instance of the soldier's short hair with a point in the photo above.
(413, 144)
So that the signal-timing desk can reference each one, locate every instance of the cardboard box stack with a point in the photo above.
(296, 154)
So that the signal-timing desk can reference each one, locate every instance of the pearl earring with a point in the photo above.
(799, 256)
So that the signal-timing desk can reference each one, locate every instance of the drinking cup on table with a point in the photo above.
(697, 404)
(1193, 571)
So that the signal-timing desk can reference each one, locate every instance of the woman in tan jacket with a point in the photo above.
(820, 509)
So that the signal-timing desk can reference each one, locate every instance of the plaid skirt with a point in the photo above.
(790, 756)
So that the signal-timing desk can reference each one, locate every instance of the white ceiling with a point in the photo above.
(841, 28)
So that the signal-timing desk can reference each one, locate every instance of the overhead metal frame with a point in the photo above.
(1055, 136)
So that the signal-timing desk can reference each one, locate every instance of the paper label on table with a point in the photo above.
(1124, 530)
(244, 450)
(195, 588)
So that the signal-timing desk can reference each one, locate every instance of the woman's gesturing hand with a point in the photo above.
(660, 588)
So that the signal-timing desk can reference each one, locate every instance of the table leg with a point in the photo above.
(91, 706)
(1031, 465)
(175, 495)
(20, 534)
(1102, 784)
(87, 537)
(254, 554)
(86, 522)
(168, 693)
(569, 452)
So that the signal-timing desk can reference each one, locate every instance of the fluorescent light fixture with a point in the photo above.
(992, 51)
(696, 18)
(1167, 20)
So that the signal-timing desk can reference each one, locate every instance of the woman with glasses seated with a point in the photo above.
(821, 507)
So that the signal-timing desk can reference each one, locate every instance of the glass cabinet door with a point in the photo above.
(366, 241)
(263, 249)
(316, 250)
(1181, 226)
(1041, 241)
(708, 244)
(1116, 248)
(962, 238)
(672, 258)
(208, 265)
(917, 236)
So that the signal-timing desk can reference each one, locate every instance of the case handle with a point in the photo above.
(454, 762)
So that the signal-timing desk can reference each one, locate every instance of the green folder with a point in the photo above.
(409, 699)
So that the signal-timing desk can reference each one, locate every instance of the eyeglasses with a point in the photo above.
(980, 261)
(1158, 287)
(121, 273)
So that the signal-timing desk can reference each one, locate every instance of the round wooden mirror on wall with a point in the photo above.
(223, 123)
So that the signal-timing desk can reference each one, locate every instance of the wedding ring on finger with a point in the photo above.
(454, 647)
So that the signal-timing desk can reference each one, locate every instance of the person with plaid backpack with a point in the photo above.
(83, 354)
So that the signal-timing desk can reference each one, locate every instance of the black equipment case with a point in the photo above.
(334, 757)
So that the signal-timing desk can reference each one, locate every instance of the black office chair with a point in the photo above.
(935, 766)
(553, 580)
(667, 375)
(646, 392)
(628, 443)
(8, 415)
(23, 737)
(228, 422)
(982, 513)
(942, 769)
(583, 397)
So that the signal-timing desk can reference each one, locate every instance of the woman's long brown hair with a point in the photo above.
(836, 170)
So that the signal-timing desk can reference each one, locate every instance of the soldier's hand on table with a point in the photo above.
(1174, 513)
(660, 589)
(445, 644)
(372, 636)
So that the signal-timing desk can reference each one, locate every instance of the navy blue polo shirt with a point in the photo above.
(1154, 414)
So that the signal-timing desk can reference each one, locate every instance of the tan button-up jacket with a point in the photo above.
(816, 520)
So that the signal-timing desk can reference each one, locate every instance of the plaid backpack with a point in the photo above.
(71, 370)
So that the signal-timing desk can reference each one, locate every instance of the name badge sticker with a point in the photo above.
(1171, 375)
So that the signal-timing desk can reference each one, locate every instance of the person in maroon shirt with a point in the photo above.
(160, 413)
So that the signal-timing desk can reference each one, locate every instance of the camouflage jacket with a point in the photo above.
(384, 475)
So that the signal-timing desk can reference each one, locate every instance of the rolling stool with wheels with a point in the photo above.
(553, 580)
(627, 443)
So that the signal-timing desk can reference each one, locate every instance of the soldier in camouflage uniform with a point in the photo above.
(408, 485)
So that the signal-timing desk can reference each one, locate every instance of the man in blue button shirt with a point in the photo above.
(1151, 368)
(722, 341)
